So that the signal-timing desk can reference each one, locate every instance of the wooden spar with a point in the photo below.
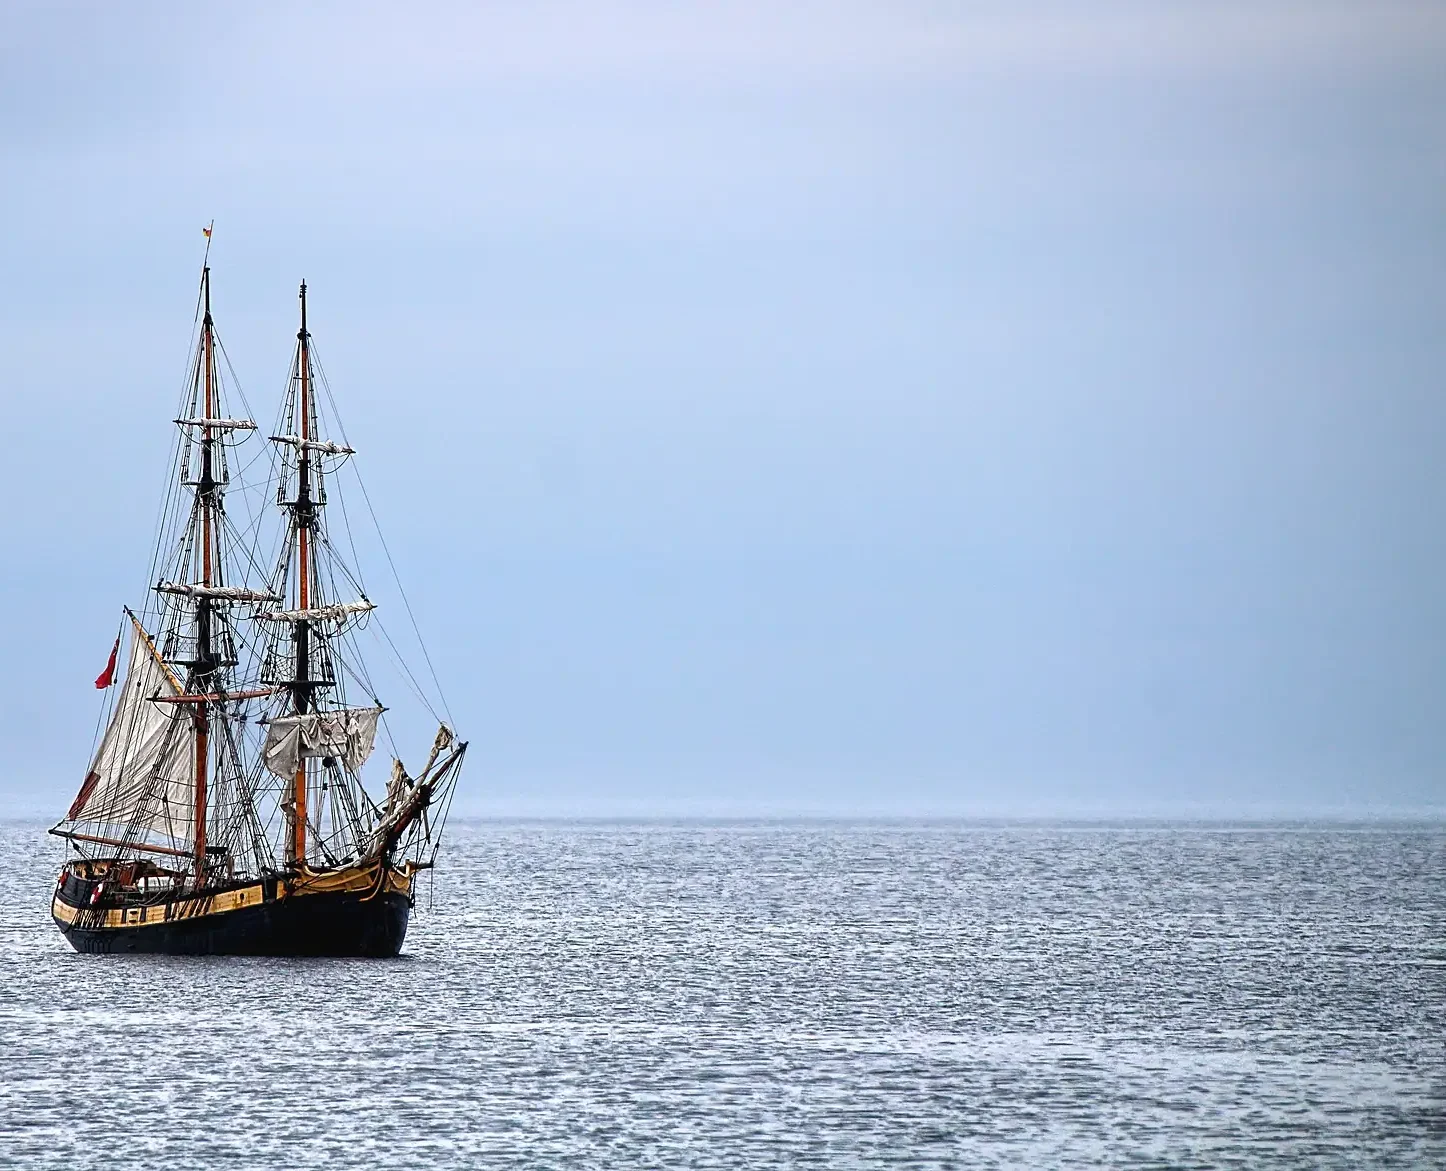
(172, 851)
(176, 685)
(217, 696)
(203, 746)
(303, 584)
(420, 797)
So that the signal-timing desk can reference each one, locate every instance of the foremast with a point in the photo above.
(168, 776)
(208, 683)
(203, 670)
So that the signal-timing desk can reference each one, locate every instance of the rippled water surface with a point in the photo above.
(759, 995)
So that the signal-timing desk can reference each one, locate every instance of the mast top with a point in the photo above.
(301, 333)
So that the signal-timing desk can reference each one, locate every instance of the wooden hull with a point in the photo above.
(358, 912)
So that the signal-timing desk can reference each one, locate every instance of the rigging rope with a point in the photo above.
(381, 537)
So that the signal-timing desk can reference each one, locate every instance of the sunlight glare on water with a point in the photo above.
(752, 995)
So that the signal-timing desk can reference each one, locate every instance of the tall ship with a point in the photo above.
(224, 811)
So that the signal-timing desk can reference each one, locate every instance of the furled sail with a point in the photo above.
(220, 424)
(347, 734)
(142, 780)
(320, 445)
(336, 613)
(216, 593)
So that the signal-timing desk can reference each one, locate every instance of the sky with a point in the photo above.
(909, 408)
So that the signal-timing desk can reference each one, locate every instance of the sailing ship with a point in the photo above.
(224, 810)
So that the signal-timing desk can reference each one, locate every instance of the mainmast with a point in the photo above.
(313, 738)
(304, 515)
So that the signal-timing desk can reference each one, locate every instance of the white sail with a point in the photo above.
(347, 734)
(142, 780)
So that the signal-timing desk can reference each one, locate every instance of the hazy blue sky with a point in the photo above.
(889, 407)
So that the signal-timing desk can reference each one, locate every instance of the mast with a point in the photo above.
(303, 513)
(315, 724)
(169, 774)
(205, 659)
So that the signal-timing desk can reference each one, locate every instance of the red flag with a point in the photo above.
(103, 680)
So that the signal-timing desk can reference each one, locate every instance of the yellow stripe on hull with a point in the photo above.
(362, 879)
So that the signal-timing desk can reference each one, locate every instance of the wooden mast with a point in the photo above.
(205, 491)
(303, 582)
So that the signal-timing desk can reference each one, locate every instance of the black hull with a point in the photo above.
(341, 923)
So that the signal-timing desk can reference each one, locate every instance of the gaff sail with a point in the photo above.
(141, 783)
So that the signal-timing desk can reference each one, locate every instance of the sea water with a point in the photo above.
(750, 995)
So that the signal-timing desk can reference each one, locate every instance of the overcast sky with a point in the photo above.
(837, 407)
